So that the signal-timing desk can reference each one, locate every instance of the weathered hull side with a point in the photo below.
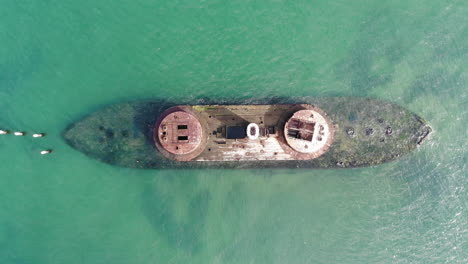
(122, 134)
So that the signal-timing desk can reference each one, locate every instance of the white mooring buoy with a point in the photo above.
(18, 133)
(44, 152)
(4, 132)
(38, 135)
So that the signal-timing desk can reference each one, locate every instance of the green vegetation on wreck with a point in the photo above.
(368, 132)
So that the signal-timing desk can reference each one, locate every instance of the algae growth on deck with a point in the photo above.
(366, 132)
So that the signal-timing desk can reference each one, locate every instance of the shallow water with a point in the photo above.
(60, 60)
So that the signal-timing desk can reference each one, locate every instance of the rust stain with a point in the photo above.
(180, 132)
(286, 132)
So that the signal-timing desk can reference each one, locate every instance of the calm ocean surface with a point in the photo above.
(60, 60)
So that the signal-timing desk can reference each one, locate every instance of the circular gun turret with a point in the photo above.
(178, 134)
(308, 133)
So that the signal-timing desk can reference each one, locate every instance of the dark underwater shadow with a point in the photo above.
(185, 234)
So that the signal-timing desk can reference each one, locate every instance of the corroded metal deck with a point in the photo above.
(367, 132)
(201, 133)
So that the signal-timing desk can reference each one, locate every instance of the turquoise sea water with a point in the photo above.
(60, 60)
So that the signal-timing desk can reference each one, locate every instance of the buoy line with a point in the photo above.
(22, 133)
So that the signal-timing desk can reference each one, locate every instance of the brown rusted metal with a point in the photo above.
(178, 134)
(307, 133)
(366, 132)
(207, 126)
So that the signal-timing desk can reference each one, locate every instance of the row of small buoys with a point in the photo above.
(21, 134)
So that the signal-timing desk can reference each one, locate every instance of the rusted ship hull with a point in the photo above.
(366, 132)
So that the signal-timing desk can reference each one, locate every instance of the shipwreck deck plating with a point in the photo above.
(204, 132)
(354, 132)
